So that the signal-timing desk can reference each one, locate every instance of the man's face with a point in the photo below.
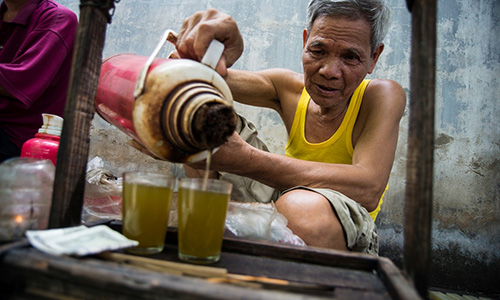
(336, 58)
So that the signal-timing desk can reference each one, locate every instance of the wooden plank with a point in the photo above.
(419, 187)
(187, 269)
(94, 278)
(312, 255)
(396, 283)
(274, 264)
(4, 248)
(74, 277)
(69, 183)
(322, 256)
(220, 275)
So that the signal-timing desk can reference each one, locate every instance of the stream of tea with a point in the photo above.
(207, 169)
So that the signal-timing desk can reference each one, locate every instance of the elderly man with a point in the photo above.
(36, 49)
(343, 129)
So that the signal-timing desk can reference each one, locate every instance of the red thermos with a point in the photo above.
(46, 142)
(173, 109)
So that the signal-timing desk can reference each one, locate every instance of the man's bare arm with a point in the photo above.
(363, 181)
(278, 89)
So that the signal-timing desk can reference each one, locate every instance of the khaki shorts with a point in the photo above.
(360, 230)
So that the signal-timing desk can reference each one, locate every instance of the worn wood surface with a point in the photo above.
(418, 202)
(69, 183)
(26, 272)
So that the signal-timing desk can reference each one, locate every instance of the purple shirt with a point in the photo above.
(36, 50)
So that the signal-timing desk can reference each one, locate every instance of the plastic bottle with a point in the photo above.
(46, 142)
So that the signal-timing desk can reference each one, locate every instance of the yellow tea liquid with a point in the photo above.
(201, 220)
(145, 215)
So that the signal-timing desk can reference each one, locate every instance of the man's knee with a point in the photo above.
(303, 203)
(311, 217)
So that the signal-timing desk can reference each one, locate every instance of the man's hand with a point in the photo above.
(201, 28)
(227, 156)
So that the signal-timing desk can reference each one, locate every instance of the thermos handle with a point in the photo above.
(170, 36)
(213, 54)
(211, 58)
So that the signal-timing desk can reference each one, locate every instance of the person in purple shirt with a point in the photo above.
(36, 49)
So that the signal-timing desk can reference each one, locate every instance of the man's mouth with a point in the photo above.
(325, 88)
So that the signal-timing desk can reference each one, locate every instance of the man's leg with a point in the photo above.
(337, 223)
(311, 217)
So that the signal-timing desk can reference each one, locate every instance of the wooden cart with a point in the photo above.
(26, 273)
(275, 271)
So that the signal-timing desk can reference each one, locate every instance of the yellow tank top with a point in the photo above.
(338, 148)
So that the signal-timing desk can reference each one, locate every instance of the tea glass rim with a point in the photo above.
(212, 184)
(138, 175)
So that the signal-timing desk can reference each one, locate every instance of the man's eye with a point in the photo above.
(316, 52)
(352, 57)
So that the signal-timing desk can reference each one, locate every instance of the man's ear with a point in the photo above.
(375, 56)
(304, 38)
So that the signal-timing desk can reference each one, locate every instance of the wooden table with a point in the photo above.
(26, 273)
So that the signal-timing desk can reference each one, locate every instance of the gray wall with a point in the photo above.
(466, 226)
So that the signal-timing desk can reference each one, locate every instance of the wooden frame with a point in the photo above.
(26, 272)
(72, 159)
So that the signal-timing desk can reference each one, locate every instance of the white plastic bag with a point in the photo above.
(260, 221)
(103, 194)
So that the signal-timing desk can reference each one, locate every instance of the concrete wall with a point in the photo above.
(466, 226)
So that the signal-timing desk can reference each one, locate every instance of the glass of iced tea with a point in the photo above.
(201, 208)
(146, 199)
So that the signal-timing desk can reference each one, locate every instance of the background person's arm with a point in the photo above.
(4, 92)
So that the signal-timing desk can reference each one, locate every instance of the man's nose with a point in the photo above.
(331, 68)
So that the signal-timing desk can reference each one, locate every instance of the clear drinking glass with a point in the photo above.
(146, 207)
(201, 208)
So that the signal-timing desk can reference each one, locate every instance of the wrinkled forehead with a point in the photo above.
(351, 14)
(346, 27)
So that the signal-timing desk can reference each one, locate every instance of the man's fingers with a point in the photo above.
(200, 29)
(222, 67)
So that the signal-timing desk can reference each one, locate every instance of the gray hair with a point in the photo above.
(376, 12)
